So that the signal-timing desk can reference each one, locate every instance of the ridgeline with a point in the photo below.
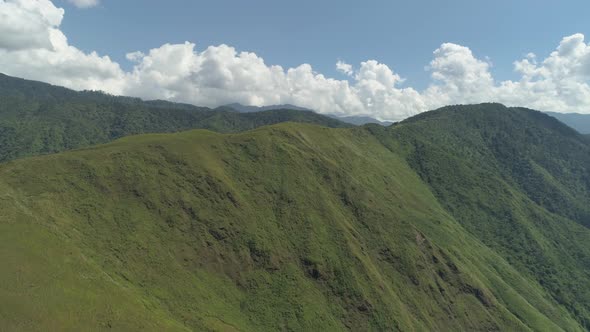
(465, 218)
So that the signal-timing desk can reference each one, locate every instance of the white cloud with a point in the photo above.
(32, 46)
(27, 24)
(84, 3)
(557, 83)
(344, 68)
(458, 74)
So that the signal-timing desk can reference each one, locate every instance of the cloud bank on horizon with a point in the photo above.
(33, 46)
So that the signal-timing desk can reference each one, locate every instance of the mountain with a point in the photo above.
(38, 118)
(536, 170)
(580, 122)
(250, 109)
(463, 218)
(361, 120)
(354, 120)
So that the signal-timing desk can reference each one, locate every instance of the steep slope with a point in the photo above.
(38, 118)
(289, 227)
(515, 178)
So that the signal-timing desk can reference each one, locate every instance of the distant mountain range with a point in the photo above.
(580, 122)
(355, 120)
(250, 109)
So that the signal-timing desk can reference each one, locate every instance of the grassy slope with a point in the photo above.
(38, 118)
(292, 227)
(516, 179)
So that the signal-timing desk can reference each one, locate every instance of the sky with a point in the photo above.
(385, 59)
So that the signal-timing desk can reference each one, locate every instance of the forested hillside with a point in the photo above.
(518, 180)
(38, 118)
(465, 218)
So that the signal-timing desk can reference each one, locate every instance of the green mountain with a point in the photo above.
(518, 180)
(361, 120)
(465, 218)
(38, 118)
(250, 109)
(354, 120)
(580, 122)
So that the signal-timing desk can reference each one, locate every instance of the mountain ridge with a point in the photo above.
(41, 118)
(352, 119)
(251, 109)
(297, 226)
(469, 217)
(534, 154)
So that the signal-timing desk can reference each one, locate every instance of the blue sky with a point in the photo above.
(385, 59)
(401, 34)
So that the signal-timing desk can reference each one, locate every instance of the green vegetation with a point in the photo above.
(38, 118)
(518, 180)
(468, 218)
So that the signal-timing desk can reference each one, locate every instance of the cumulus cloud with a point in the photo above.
(344, 68)
(33, 46)
(84, 3)
(27, 24)
(557, 83)
(459, 75)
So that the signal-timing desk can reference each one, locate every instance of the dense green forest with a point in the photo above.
(38, 118)
(534, 167)
(467, 218)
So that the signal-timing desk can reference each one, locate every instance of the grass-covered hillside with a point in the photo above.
(462, 219)
(38, 118)
(518, 180)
